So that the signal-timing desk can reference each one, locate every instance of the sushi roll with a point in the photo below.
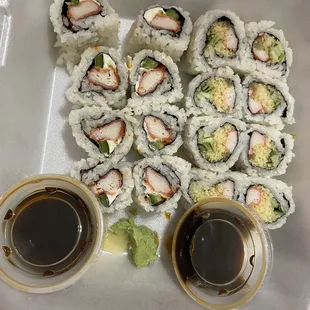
(159, 132)
(104, 135)
(101, 77)
(111, 183)
(214, 143)
(267, 101)
(162, 28)
(267, 50)
(271, 199)
(206, 184)
(217, 41)
(216, 93)
(154, 80)
(267, 153)
(79, 24)
(158, 182)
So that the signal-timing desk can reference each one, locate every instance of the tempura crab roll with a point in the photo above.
(267, 50)
(104, 135)
(271, 199)
(267, 101)
(216, 93)
(158, 182)
(214, 143)
(205, 184)
(154, 80)
(101, 77)
(80, 24)
(217, 41)
(268, 152)
(112, 184)
(162, 28)
(159, 131)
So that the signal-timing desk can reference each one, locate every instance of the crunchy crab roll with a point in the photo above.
(82, 23)
(163, 28)
(159, 132)
(154, 80)
(101, 77)
(268, 50)
(214, 143)
(204, 184)
(104, 135)
(268, 152)
(217, 41)
(271, 199)
(158, 182)
(215, 93)
(111, 183)
(267, 101)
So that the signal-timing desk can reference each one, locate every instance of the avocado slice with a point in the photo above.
(104, 200)
(73, 2)
(156, 145)
(173, 14)
(104, 147)
(149, 63)
(99, 61)
(156, 199)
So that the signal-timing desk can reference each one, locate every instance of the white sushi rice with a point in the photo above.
(105, 98)
(195, 61)
(276, 136)
(145, 36)
(101, 116)
(167, 92)
(90, 170)
(276, 118)
(103, 30)
(173, 117)
(196, 108)
(278, 71)
(281, 191)
(171, 164)
(212, 123)
(209, 179)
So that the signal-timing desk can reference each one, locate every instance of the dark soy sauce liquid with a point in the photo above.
(217, 252)
(48, 227)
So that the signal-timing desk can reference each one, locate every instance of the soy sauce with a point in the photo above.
(50, 228)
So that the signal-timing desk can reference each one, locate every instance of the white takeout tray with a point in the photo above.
(35, 138)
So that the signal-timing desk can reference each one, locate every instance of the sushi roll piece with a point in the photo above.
(111, 183)
(158, 182)
(214, 143)
(100, 78)
(267, 50)
(267, 153)
(104, 135)
(267, 101)
(271, 199)
(217, 41)
(79, 24)
(154, 80)
(216, 93)
(162, 28)
(159, 131)
(205, 184)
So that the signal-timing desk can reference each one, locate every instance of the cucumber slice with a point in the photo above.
(73, 2)
(99, 61)
(104, 147)
(172, 13)
(104, 200)
(149, 63)
(156, 199)
(156, 145)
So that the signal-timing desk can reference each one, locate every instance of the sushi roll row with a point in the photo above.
(218, 144)
(270, 199)
(258, 99)
(220, 38)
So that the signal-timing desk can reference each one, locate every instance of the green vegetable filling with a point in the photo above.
(173, 14)
(99, 63)
(156, 199)
(104, 147)
(149, 63)
(156, 145)
(104, 200)
(73, 2)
